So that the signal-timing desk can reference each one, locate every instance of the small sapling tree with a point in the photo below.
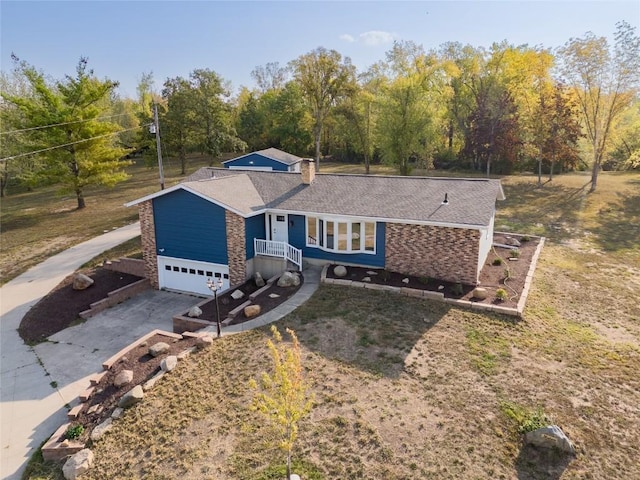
(283, 396)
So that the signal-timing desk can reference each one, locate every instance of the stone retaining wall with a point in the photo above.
(437, 296)
(132, 266)
(115, 297)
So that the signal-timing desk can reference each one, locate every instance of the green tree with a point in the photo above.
(270, 76)
(604, 81)
(324, 78)
(410, 106)
(88, 152)
(178, 118)
(212, 123)
(283, 396)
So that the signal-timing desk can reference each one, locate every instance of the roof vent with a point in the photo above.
(446, 199)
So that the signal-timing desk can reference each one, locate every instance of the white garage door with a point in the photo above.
(190, 276)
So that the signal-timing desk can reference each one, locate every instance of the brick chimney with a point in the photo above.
(308, 170)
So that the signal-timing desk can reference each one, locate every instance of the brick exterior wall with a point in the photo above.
(148, 236)
(444, 253)
(236, 248)
(307, 171)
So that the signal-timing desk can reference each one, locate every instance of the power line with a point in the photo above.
(71, 143)
(58, 124)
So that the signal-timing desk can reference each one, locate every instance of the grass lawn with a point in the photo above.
(408, 388)
(36, 225)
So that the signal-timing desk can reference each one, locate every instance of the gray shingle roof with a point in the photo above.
(274, 154)
(471, 200)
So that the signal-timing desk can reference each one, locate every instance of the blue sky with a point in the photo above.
(124, 39)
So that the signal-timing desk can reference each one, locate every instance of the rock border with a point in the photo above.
(57, 448)
(439, 297)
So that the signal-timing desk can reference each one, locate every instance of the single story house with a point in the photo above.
(223, 223)
(270, 159)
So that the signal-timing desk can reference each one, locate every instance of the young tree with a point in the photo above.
(604, 81)
(88, 152)
(324, 78)
(283, 396)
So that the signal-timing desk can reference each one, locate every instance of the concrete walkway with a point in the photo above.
(30, 407)
(311, 276)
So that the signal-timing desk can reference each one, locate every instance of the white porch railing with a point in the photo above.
(278, 249)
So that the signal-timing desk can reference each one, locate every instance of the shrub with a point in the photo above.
(501, 294)
(515, 253)
(525, 239)
(424, 280)
(74, 431)
(385, 275)
(457, 289)
(526, 419)
(497, 262)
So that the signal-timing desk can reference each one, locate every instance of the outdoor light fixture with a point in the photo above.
(214, 286)
(446, 200)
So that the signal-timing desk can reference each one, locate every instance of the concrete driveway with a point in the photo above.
(72, 355)
(30, 407)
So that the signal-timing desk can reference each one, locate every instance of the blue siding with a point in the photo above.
(254, 228)
(190, 227)
(297, 234)
(258, 161)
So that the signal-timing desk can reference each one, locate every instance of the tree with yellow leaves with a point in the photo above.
(283, 396)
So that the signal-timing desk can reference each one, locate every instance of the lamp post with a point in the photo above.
(214, 287)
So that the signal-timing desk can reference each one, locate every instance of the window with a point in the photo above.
(340, 235)
(279, 218)
(167, 267)
(312, 231)
(200, 272)
(369, 237)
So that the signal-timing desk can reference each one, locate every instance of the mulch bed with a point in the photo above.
(226, 303)
(143, 366)
(492, 277)
(61, 307)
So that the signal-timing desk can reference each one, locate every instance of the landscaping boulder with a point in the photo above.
(133, 396)
(204, 341)
(194, 312)
(77, 464)
(366, 279)
(257, 278)
(117, 413)
(340, 271)
(237, 294)
(289, 279)
(274, 295)
(98, 432)
(122, 378)
(252, 311)
(158, 349)
(405, 280)
(480, 293)
(169, 363)
(511, 241)
(81, 281)
(550, 437)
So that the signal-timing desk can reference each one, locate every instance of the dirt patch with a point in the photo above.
(62, 306)
(499, 272)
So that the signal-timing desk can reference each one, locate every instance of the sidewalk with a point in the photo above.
(30, 407)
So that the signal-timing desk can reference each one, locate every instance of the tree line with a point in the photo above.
(498, 110)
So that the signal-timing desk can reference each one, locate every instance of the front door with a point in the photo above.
(277, 228)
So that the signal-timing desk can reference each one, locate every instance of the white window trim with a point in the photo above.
(336, 221)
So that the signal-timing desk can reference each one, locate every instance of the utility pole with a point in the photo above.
(156, 124)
